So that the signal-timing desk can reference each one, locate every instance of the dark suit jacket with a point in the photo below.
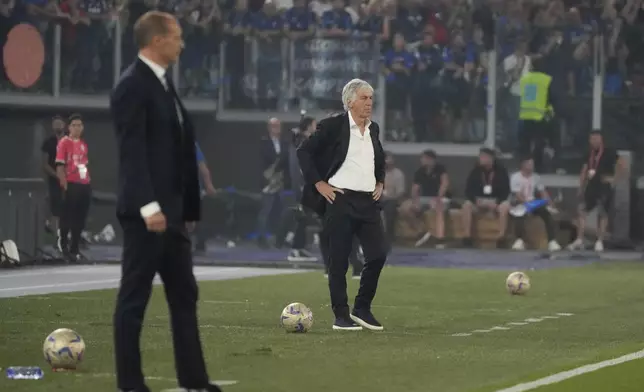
(269, 156)
(156, 154)
(322, 154)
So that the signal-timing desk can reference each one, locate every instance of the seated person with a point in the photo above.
(487, 190)
(525, 187)
(429, 190)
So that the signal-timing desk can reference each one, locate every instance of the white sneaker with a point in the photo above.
(423, 239)
(519, 244)
(553, 246)
(599, 246)
(577, 244)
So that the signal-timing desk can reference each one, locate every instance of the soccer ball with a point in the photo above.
(518, 283)
(296, 317)
(64, 349)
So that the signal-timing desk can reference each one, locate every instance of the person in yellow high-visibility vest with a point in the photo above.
(536, 112)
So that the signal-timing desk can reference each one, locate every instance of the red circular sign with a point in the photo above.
(24, 55)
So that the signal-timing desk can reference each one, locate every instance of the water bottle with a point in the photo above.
(25, 373)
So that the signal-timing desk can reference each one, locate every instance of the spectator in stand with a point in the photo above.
(372, 22)
(411, 20)
(425, 90)
(79, 47)
(319, 7)
(337, 21)
(268, 27)
(236, 29)
(487, 190)
(74, 177)
(198, 19)
(398, 67)
(458, 59)
(300, 22)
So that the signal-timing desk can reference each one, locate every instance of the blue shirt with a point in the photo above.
(263, 22)
(299, 19)
(339, 19)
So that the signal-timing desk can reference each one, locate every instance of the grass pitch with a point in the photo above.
(420, 308)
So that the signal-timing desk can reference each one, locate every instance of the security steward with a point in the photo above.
(538, 106)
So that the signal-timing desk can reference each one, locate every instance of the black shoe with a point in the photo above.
(142, 389)
(345, 324)
(366, 319)
(213, 388)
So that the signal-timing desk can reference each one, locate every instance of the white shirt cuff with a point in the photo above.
(150, 209)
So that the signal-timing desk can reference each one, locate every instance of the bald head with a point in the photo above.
(274, 127)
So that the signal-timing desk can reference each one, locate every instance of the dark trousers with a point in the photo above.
(74, 215)
(144, 254)
(271, 204)
(354, 214)
(356, 264)
(543, 213)
(532, 141)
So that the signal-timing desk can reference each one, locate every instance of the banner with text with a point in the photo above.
(322, 66)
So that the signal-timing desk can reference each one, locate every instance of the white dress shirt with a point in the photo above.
(357, 172)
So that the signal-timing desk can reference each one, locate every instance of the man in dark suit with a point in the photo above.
(344, 168)
(158, 203)
(275, 170)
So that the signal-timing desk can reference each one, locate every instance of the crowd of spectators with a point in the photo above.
(434, 53)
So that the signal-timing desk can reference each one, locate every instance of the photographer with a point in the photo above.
(74, 179)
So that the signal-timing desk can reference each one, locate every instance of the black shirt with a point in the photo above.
(496, 179)
(601, 161)
(429, 182)
(49, 148)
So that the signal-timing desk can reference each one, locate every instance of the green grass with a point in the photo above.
(420, 309)
(626, 377)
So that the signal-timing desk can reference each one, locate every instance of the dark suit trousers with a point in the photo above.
(356, 264)
(144, 254)
(354, 214)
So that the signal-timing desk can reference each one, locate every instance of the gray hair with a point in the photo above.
(350, 90)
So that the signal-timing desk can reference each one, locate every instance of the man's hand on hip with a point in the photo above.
(377, 193)
(327, 190)
(156, 222)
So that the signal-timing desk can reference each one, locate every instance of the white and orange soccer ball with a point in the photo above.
(518, 283)
(64, 349)
(296, 317)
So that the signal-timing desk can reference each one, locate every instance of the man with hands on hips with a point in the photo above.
(343, 164)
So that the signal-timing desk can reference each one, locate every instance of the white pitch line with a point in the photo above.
(556, 378)
(515, 324)
(154, 378)
(57, 285)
